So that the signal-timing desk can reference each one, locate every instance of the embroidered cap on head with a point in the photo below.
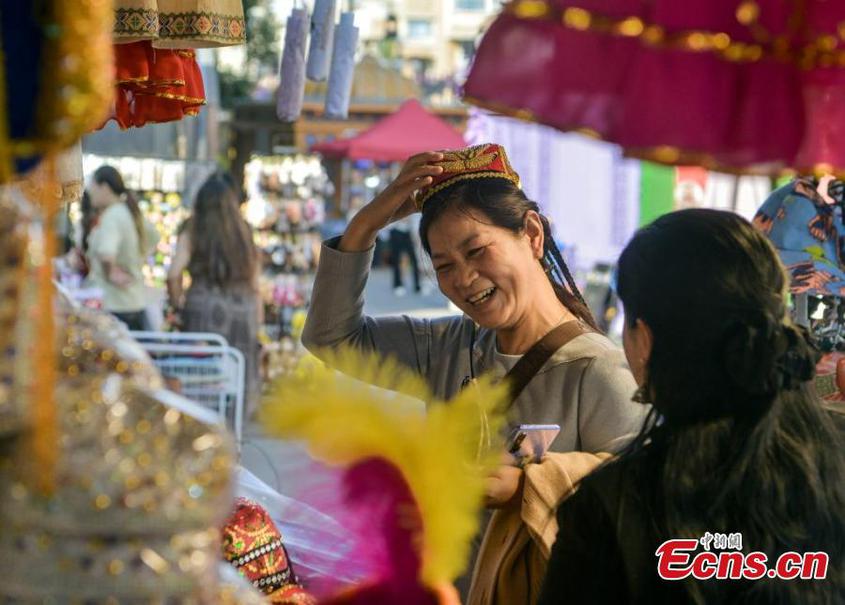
(481, 161)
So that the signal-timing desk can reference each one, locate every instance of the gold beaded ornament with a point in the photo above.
(141, 485)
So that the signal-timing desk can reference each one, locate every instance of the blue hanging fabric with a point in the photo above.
(292, 70)
(322, 38)
(343, 68)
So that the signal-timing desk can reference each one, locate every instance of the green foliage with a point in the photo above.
(263, 50)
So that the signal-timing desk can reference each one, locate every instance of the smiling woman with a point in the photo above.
(496, 261)
(486, 243)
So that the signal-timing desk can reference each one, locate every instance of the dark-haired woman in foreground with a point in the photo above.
(740, 444)
(495, 259)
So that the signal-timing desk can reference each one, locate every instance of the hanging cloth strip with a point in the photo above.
(180, 23)
(322, 39)
(343, 68)
(291, 90)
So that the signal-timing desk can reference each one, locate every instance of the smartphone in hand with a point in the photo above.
(529, 442)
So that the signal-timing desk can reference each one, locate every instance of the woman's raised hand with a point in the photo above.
(393, 204)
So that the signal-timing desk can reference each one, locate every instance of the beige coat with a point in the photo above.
(512, 561)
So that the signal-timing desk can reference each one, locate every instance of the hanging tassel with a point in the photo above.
(343, 68)
(322, 37)
(292, 71)
(44, 435)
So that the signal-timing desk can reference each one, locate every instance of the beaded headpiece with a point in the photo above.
(481, 161)
(253, 545)
(141, 484)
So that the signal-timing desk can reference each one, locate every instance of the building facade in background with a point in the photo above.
(431, 40)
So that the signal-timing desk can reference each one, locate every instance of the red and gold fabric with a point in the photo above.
(180, 23)
(155, 85)
(253, 545)
(480, 161)
(744, 85)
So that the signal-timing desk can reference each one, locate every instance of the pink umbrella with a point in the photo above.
(409, 131)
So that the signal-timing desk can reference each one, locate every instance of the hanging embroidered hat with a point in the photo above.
(291, 91)
(180, 23)
(253, 545)
(322, 40)
(342, 69)
(488, 160)
(808, 234)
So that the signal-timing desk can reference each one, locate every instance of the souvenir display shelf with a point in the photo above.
(286, 207)
(166, 211)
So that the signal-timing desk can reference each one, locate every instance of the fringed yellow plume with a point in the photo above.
(344, 420)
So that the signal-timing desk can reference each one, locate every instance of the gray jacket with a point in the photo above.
(585, 387)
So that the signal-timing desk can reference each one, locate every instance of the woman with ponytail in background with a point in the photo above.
(495, 259)
(118, 248)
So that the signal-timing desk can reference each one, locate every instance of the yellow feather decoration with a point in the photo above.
(345, 420)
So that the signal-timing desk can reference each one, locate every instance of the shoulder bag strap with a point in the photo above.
(530, 363)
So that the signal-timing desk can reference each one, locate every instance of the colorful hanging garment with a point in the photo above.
(736, 84)
(180, 23)
(155, 85)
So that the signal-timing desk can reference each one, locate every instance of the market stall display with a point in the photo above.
(286, 206)
(113, 489)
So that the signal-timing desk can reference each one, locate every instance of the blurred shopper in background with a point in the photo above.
(118, 248)
(217, 251)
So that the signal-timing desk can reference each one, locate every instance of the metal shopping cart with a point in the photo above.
(203, 368)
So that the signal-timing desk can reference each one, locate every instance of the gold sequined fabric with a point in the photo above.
(14, 243)
(77, 64)
(141, 486)
(79, 69)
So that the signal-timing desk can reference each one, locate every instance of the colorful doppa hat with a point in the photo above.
(253, 545)
(808, 235)
(488, 160)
